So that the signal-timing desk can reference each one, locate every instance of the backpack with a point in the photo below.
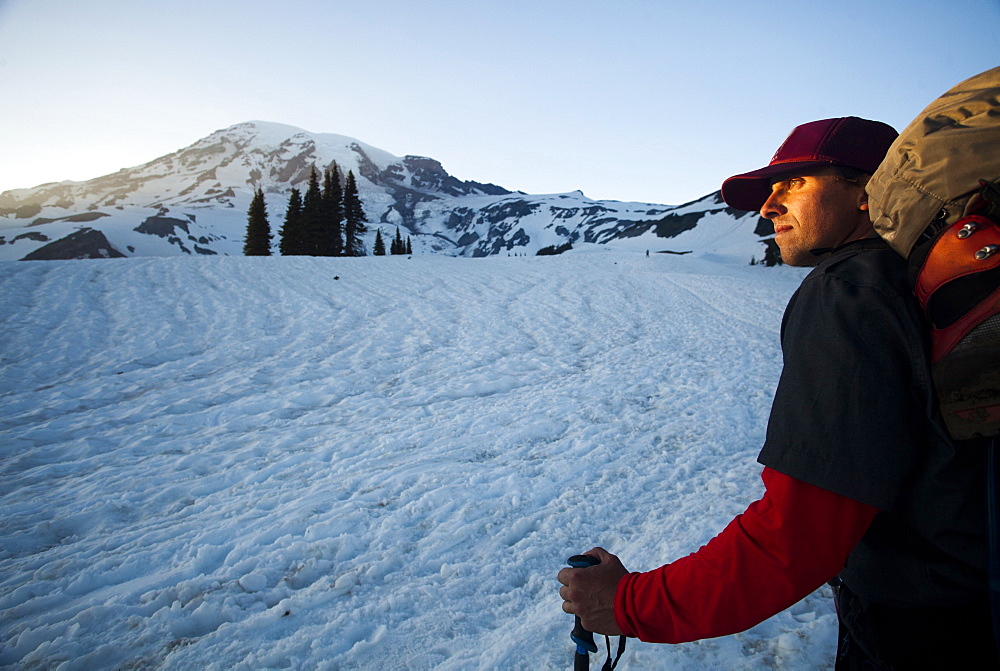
(936, 200)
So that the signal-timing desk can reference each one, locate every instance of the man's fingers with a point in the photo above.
(601, 554)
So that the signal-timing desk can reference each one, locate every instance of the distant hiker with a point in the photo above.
(863, 486)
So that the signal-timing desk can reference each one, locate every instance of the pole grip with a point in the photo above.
(584, 639)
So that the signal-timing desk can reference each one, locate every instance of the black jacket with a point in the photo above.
(855, 413)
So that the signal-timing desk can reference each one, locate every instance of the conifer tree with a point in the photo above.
(312, 218)
(291, 231)
(258, 237)
(409, 247)
(397, 244)
(333, 211)
(379, 249)
(354, 219)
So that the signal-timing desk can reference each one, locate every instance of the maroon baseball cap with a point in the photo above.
(848, 141)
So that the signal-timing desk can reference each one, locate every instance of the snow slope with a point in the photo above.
(380, 463)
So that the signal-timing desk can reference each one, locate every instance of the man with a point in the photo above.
(863, 486)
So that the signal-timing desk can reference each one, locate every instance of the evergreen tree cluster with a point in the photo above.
(397, 246)
(258, 238)
(328, 220)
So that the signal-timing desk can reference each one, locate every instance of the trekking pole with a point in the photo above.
(584, 639)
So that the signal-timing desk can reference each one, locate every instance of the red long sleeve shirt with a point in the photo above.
(787, 544)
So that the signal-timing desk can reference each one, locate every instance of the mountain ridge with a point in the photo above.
(194, 201)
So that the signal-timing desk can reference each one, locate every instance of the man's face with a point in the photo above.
(813, 210)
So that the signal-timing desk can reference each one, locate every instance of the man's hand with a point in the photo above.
(590, 592)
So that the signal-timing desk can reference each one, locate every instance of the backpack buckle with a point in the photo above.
(967, 230)
(986, 252)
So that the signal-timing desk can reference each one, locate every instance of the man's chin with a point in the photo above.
(792, 256)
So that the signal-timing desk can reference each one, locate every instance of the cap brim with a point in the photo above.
(751, 190)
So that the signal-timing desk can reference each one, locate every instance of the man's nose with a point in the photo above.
(772, 207)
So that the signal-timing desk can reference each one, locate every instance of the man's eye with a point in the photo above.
(795, 182)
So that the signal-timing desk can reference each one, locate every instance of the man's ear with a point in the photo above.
(863, 201)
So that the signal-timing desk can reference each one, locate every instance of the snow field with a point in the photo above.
(245, 463)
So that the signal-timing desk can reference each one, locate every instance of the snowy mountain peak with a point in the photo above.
(206, 187)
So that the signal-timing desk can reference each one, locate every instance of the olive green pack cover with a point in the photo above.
(936, 200)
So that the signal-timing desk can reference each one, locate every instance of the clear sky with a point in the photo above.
(655, 101)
